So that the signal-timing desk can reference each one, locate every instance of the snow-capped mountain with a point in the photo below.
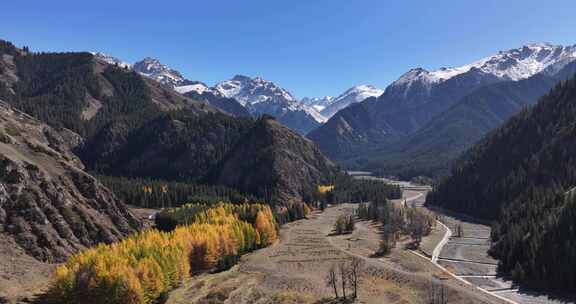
(419, 96)
(197, 90)
(250, 91)
(514, 64)
(261, 96)
(110, 59)
(318, 103)
(352, 95)
(153, 68)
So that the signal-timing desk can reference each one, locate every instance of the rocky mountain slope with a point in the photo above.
(412, 101)
(318, 103)
(523, 175)
(153, 68)
(228, 105)
(49, 207)
(171, 79)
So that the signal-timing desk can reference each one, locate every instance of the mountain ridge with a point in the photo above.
(432, 149)
(257, 95)
(418, 96)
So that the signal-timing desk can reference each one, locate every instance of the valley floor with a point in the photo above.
(466, 257)
(293, 270)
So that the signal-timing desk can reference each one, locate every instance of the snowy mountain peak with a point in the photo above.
(417, 74)
(353, 95)
(110, 59)
(153, 68)
(362, 92)
(249, 91)
(514, 64)
(540, 45)
(261, 96)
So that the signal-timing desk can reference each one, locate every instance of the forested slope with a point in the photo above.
(519, 176)
(432, 149)
(133, 126)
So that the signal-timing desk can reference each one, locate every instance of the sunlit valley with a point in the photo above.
(271, 153)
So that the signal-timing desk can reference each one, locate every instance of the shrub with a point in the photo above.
(344, 224)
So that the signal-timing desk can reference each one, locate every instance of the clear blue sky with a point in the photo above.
(310, 47)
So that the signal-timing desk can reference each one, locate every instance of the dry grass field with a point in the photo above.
(294, 269)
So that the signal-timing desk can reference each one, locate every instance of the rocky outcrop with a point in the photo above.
(48, 204)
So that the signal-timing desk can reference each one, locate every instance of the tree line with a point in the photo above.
(345, 189)
(154, 193)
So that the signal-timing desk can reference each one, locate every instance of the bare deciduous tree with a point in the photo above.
(343, 268)
(332, 280)
(346, 275)
(355, 269)
(459, 230)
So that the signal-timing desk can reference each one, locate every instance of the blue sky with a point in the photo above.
(310, 47)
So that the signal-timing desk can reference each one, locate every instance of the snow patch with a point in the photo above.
(199, 88)
(110, 60)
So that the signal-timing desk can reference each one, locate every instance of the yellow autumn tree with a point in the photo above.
(144, 266)
(266, 228)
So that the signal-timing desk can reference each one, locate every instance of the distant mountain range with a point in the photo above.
(256, 95)
(424, 113)
(417, 126)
